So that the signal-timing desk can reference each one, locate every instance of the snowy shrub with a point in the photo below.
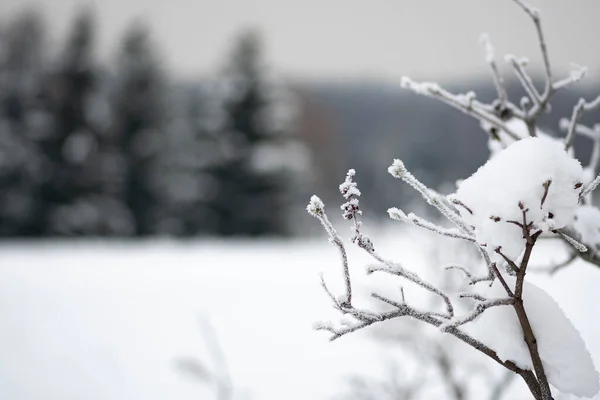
(532, 187)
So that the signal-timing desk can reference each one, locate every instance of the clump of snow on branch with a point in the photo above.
(501, 139)
(567, 362)
(534, 176)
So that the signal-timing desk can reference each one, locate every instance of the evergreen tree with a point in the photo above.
(72, 148)
(138, 111)
(23, 122)
(191, 149)
(252, 190)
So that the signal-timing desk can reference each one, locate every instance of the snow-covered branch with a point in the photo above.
(490, 58)
(531, 186)
(481, 306)
(578, 110)
(499, 118)
(463, 102)
(316, 208)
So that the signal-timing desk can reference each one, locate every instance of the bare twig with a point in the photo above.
(580, 247)
(525, 79)
(317, 209)
(479, 309)
(578, 110)
(490, 58)
(415, 220)
(591, 187)
(535, 16)
(459, 102)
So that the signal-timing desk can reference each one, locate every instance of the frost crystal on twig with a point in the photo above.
(315, 207)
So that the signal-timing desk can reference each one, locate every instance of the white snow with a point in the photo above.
(517, 175)
(110, 322)
(107, 321)
(567, 362)
(586, 223)
(518, 128)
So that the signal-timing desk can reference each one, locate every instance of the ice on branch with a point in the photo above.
(315, 207)
(397, 169)
(423, 88)
(567, 362)
(501, 139)
(533, 179)
(577, 72)
(349, 190)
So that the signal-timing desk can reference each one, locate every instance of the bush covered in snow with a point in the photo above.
(532, 187)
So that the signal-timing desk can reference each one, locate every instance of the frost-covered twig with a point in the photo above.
(316, 208)
(415, 220)
(577, 73)
(591, 187)
(464, 103)
(578, 110)
(398, 170)
(490, 58)
(525, 79)
(479, 309)
(535, 16)
(580, 247)
(472, 280)
(396, 269)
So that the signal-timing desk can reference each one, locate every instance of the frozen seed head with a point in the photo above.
(397, 169)
(396, 214)
(349, 188)
(315, 207)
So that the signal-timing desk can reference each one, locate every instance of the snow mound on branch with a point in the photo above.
(515, 177)
(566, 360)
(500, 140)
(586, 223)
(516, 126)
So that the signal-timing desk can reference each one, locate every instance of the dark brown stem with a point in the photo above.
(546, 187)
(531, 381)
(508, 260)
(502, 281)
(528, 334)
(533, 349)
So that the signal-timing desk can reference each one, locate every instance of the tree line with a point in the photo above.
(120, 149)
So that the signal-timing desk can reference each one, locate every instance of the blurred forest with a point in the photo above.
(122, 148)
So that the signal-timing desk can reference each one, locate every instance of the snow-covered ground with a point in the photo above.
(81, 320)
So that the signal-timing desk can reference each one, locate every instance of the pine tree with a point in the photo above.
(191, 148)
(23, 122)
(72, 147)
(138, 127)
(251, 195)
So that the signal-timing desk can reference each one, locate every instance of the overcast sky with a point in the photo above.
(377, 39)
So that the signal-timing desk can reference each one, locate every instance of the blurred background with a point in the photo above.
(158, 155)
